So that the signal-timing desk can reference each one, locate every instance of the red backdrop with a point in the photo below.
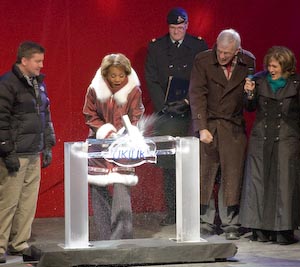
(77, 34)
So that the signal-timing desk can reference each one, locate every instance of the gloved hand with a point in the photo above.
(176, 108)
(46, 157)
(5, 147)
(12, 162)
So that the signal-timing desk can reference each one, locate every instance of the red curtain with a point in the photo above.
(77, 34)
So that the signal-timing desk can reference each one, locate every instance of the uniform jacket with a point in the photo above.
(164, 60)
(272, 176)
(25, 122)
(217, 105)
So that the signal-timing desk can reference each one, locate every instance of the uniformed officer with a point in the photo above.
(170, 58)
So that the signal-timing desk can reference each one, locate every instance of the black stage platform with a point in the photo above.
(135, 252)
(47, 233)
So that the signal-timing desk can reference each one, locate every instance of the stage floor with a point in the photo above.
(250, 254)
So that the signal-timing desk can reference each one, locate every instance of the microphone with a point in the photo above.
(250, 75)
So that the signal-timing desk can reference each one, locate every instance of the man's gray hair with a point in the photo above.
(228, 36)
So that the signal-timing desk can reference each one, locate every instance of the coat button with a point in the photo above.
(266, 114)
(266, 126)
(278, 126)
(279, 115)
(265, 138)
(280, 103)
(277, 138)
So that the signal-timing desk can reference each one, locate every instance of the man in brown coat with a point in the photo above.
(216, 100)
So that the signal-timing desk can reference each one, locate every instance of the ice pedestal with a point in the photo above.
(187, 190)
(186, 150)
(76, 195)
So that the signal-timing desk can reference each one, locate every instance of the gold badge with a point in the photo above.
(180, 19)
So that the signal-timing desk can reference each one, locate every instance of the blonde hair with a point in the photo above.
(285, 58)
(117, 60)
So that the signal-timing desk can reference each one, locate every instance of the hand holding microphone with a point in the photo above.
(249, 84)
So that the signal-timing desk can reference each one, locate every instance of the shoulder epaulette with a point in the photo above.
(158, 39)
(196, 37)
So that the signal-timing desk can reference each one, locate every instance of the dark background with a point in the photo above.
(78, 33)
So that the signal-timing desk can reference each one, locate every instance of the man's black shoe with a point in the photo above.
(232, 235)
(2, 258)
(32, 254)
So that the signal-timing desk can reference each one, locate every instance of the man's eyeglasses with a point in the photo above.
(177, 28)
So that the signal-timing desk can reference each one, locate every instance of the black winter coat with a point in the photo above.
(271, 190)
(25, 122)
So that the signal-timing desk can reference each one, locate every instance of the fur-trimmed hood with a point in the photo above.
(104, 93)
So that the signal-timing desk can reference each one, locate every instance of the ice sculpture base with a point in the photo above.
(137, 252)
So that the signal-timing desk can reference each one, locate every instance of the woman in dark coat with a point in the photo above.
(270, 198)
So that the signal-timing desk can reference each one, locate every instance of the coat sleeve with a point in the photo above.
(49, 134)
(198, 95)
(136, 107)
(92, 118)
(156, 93)
(250, 105)
(6, 104)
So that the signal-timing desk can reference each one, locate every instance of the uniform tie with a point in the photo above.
(176, 43)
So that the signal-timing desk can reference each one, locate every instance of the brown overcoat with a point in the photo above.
(217, 105)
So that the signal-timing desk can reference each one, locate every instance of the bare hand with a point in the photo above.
(249, 85)
(205, 136)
